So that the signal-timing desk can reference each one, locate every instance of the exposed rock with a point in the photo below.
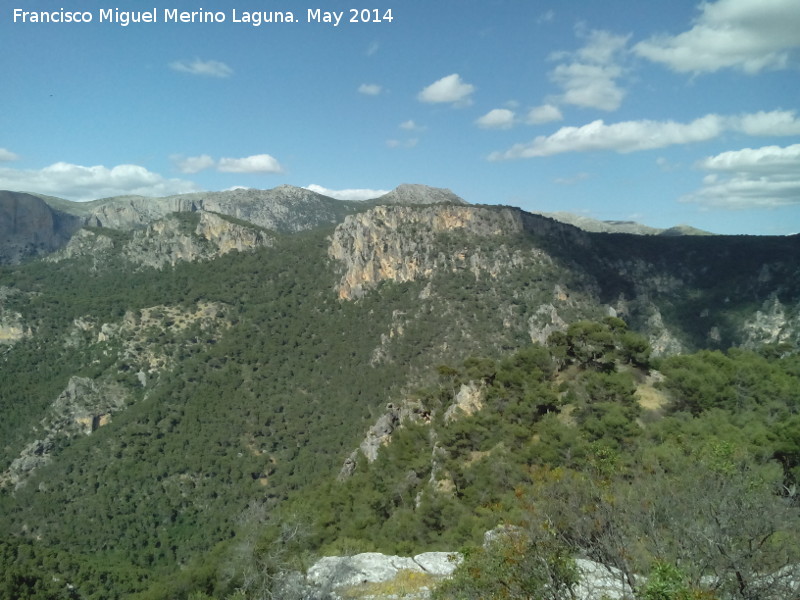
(412, 193)
(373, 567)
(773, 324)
(83, 407)
(468, 401)
(12, 327)
(598, 581)
(380, 433)
(284, 208)
(395, 243)
(29, 227)
(170, 240)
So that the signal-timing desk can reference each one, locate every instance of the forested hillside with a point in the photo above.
(180, 395)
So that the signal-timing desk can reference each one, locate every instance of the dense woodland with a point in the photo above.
(682, 468)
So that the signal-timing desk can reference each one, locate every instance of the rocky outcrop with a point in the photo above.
(467, 402)
(396, 243)
(170, 240)
(83, 407)
(285, 208)
(373, 567)
(29, 227)
(413, 193)
(774, 323)
(383, 577)
(12, 326)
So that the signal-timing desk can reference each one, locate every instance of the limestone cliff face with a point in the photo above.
(29, 227)
(284, 208)
(169, 241)
(396, 243)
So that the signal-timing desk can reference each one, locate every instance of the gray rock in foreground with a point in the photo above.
(373, 567)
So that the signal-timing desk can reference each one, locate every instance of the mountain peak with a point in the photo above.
(415, 193)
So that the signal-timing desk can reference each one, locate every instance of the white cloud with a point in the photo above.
(776, 122)
(193, 164)
(497, 118)
(7, 155)
(544, 114)
(633, 136)
(589, 77)
(370, 89)
(766, 177)
(258, 163)
(626, 136)
(410, 125)
(352, 194)
(76, 182)
(449, 89)
(751, 35)
(205, 68)
(373, 48)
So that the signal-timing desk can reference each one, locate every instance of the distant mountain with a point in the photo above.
(172, 366)
(597, 226)
(29, 227)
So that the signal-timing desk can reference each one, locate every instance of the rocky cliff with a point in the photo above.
(399, 243)
(29, 227)
(175, 238)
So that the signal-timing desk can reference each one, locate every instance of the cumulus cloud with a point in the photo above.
(77, 182)
(204, 68)
(370, 89)
(7, 155)
(766, 177)
(589, 75)
(258, 163)
(497, 118)
(776, 122)
(544, 114)
(751, 35)
(633, 136)
(450, 89)
(193, 164)
(352, 194)
(623, 137)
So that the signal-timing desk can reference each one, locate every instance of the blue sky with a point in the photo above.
(663, 112)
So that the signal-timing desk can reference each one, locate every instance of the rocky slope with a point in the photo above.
(195, 236)
(683, 292)
(29, 227)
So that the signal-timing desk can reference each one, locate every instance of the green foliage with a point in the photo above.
(517, 564)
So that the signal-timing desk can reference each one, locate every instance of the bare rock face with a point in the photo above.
(413, 193)
(467, 402)
(29, 227)
(284, 208)
(171, 240)
(395, 243)
(773, 324)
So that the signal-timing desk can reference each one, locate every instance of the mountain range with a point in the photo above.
(172, 361)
